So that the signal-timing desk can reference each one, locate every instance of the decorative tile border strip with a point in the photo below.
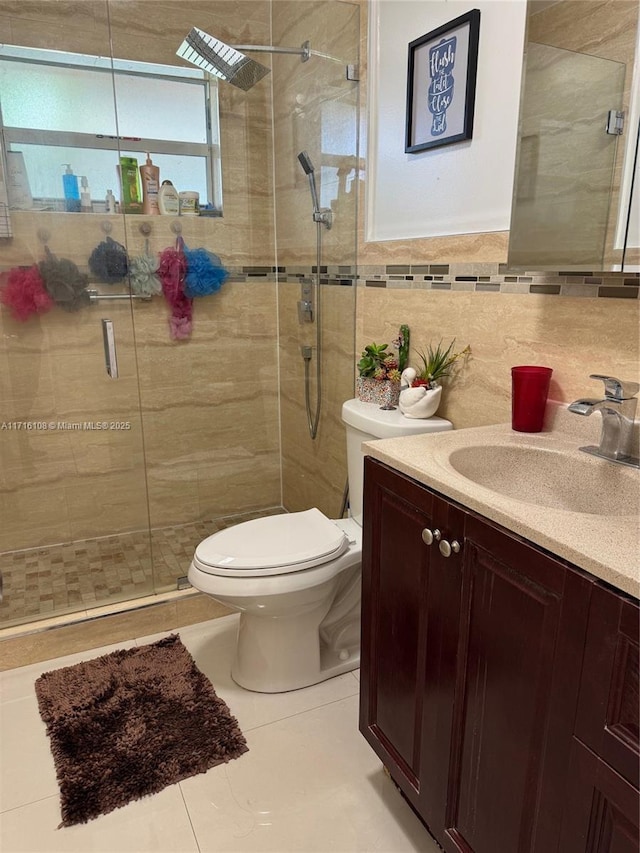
(338, 274)
(478, 278)
(496, 278)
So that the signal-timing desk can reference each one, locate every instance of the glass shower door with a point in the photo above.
(74, 531)
(316, 111)
(73, 504)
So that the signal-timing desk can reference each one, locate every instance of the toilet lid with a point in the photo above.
(277, 544)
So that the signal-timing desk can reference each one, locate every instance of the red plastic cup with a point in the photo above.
(529, 389)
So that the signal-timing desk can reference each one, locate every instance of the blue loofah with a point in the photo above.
(205, 273)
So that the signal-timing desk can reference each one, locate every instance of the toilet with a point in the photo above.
(295, 577)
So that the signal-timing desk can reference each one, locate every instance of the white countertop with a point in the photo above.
(606, 546)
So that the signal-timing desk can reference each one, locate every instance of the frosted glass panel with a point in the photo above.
(47, 97)
(161, 109)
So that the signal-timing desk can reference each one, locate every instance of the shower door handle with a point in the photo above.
(110, 355)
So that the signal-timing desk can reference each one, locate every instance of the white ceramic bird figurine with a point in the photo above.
(420, 402)
(407, 377)
(410, 396)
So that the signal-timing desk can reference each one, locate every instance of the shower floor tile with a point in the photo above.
(58, 579)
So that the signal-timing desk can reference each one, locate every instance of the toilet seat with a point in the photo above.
(275, 545)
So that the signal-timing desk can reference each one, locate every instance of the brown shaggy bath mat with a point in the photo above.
(130, 723)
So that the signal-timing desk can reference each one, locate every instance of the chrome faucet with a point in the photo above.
(618, 411)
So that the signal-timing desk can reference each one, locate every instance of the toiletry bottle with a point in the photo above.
(85, 196)
(71, 190)
(110, 202)
(150, 176)
(130, 185)
(168, 199)
(18, 188)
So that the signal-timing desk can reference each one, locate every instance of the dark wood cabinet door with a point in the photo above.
(602, 809)
(522, 634)
(499, 685)
(442, 630)
(405, 603)
(609, 705)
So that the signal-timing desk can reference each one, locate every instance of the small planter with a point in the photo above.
(383, 392)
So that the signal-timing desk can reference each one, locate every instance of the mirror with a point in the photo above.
(575, 203)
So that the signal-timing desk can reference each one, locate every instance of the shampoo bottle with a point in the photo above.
(128, 170)
(150, 176)
(168, 199)
(71, 190)
(85, 196)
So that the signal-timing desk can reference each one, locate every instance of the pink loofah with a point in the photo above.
(22, 291)
(172, 272)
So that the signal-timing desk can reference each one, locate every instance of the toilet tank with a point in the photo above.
(366, 422)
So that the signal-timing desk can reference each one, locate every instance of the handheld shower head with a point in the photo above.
(323, 215)
(305, 162)
(307, 165)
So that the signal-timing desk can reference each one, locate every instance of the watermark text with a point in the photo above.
(64, 426)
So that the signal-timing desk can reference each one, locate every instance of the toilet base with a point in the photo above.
(278, 655)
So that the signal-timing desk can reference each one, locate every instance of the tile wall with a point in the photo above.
(204, 411)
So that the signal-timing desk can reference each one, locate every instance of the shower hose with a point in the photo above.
(313, 418)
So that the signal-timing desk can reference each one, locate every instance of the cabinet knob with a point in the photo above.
(447, 549)
(430, 536)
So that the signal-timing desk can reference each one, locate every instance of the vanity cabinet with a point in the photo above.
(603, 809)
(473, 692)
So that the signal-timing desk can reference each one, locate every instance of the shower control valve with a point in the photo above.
(305, 303)
(305, 311)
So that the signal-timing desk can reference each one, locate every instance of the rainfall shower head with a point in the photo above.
(221, 59)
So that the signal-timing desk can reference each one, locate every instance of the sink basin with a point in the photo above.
(550, 478)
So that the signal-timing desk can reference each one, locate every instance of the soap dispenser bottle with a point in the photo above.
(150, 176)
(71, 190)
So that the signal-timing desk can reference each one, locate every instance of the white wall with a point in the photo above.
(460, 188)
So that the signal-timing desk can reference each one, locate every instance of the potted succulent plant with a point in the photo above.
(422, 399)
(380, 370)
(436, 364)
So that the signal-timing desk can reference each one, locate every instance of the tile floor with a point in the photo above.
(308, 783)
(67, 578)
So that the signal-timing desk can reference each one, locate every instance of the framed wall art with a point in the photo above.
(441, 84)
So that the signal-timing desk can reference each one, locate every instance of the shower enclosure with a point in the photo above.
(107, 484)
